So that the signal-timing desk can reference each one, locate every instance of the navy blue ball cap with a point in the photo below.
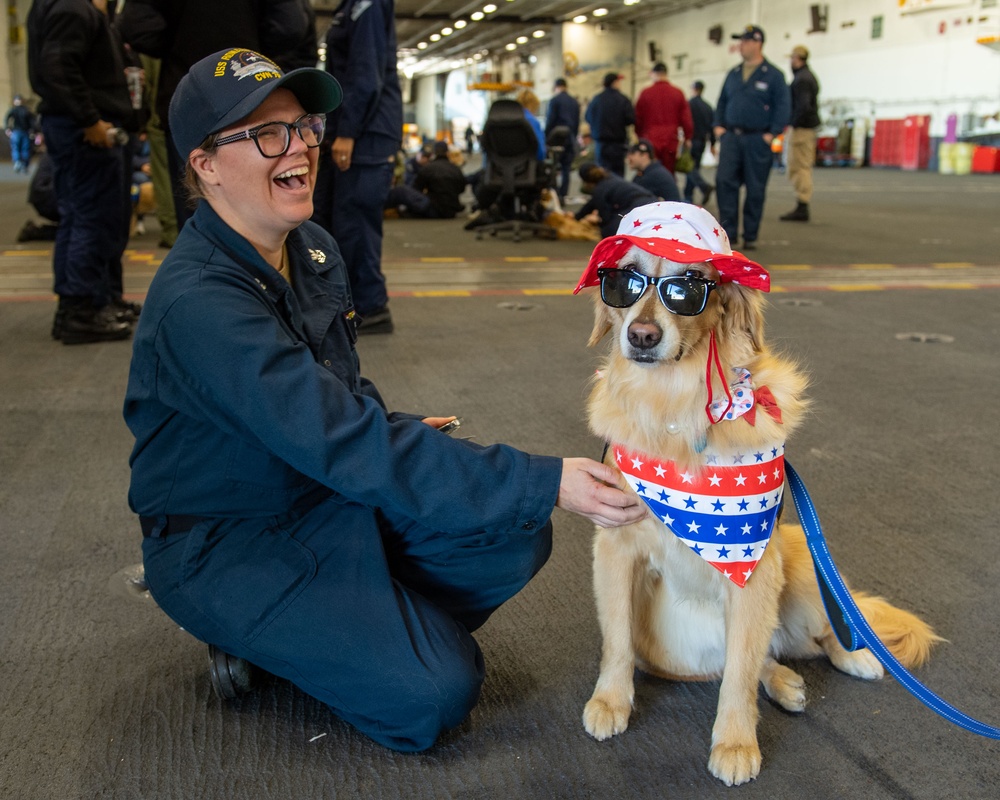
(585, 169)
(223, 88)
(751, 33)
(643, 146)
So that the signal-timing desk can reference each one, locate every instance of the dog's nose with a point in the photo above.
(644, 335)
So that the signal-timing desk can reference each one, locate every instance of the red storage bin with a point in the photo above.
(826, 151)
(887, 143)
(916, 142)
(986, 159)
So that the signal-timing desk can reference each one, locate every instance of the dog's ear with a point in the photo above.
(602, 321)
(743, 315)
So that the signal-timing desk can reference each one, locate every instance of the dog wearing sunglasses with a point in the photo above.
(695, 409)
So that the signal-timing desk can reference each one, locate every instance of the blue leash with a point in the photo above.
(850, 626)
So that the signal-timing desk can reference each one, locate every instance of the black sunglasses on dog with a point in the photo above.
(684, 295)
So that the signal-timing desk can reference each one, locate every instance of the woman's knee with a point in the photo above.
(430, 707)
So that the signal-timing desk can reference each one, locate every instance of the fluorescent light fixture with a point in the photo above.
(460, 23)
(579, 20)
(489, 9)
(421, 45)
(538, 34)
(447, 31)
(475, 16)
(435, 37)
(600, 12)
(511, 46)
(521, 40)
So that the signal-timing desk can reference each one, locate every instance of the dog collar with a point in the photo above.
(724, 509)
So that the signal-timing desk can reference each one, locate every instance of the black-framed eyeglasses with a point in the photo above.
(274, 138)
(684, 295)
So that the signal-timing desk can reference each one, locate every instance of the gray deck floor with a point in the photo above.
(102, 696)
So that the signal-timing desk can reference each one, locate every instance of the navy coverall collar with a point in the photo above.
(305, 307)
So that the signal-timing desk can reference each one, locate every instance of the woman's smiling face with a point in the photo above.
(264, 198)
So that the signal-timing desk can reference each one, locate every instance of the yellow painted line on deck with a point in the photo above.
(525, 258)
(140, 256)
(871, 266)
(953, 286)
(442, 260)
(857, 287)
(445, 293)
(27, 252)
(790, 267)
(953, 265)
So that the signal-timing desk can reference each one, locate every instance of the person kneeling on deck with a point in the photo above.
(288, 518)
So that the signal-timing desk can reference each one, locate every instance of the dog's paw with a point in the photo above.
(735, 764)
(605, 718)
(860, 664)
(785, 687)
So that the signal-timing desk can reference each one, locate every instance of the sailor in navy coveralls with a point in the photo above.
(288, 518)
(753, 108)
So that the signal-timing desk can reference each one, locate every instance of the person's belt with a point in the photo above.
(741, 131)
(176, 523)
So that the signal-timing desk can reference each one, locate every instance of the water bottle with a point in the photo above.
(117, 136)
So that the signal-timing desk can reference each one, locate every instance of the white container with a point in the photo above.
(946, 158)
(962, 155)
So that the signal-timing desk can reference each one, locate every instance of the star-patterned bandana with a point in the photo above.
(724, 510)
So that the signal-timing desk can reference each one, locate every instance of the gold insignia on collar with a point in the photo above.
(317, 255)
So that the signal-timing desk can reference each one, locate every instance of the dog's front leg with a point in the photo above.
(607, 711)
(751, 618)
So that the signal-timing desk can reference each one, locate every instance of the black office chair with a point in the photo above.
(512, 167)
(558, 141)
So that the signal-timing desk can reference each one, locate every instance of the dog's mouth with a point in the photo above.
(644, 357)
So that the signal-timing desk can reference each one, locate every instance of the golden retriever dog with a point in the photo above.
(567, 227)
(695, 409)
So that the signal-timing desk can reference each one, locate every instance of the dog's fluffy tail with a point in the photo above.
(908, 637)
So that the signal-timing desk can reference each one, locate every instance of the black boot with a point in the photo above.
(231, 676)
(377, 321)
(59, 319)
(125, 310)
(83, 323)
(799, 214)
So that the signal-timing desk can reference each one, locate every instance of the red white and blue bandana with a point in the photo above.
(725, 510)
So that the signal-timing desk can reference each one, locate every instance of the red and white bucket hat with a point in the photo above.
(679, 232)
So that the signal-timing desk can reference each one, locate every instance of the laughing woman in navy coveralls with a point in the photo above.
(288, 518)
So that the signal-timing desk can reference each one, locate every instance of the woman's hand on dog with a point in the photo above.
(588, 488)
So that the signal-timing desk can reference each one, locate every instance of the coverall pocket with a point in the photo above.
(243, 577)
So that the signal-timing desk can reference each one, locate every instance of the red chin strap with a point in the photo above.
(713, 358)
